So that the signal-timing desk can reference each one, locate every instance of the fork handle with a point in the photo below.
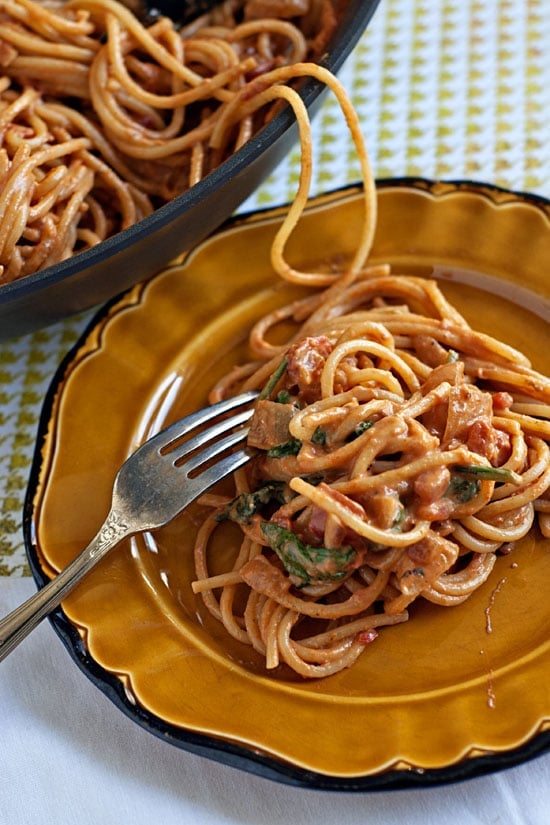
(18, 624)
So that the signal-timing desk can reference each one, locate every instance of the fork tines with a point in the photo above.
(215, 430)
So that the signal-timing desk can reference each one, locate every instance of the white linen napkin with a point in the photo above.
(68, 755)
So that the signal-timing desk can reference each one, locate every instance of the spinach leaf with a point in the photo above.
(244, 506)
(290, 447)
(283, 397)
(319, 436)
(362, 427)
(305, 562)
(480, 471)
(463, 489)
(399, 520)
(274, 379)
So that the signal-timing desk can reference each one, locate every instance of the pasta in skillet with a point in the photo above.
(104, 118)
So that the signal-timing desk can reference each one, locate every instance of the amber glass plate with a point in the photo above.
(453, 693)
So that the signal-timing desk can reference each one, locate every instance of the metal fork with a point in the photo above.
(160, 479)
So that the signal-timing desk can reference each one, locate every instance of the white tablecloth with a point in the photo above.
(68, 756)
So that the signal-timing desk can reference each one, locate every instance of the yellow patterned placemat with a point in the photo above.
(444, 89)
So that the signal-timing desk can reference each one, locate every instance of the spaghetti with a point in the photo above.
(398, 452)
(104, 118)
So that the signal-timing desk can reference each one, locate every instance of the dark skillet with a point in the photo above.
(100, 273)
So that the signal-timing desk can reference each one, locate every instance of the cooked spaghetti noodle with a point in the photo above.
(399, 452)
(103, 118)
